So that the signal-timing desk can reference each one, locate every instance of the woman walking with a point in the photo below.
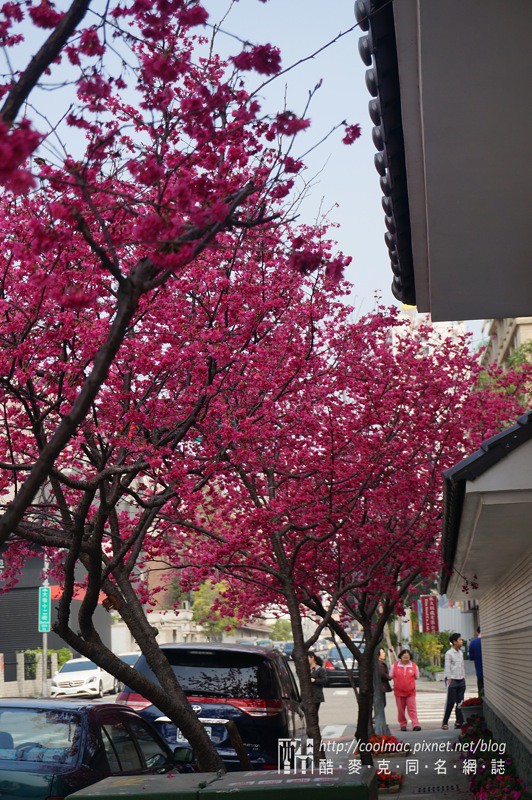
(404, 674)
(318, 678)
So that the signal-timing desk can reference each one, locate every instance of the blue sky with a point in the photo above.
(346, 182)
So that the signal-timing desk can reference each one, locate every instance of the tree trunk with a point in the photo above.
(166, 695)
(388, 640)
(300, 657)
(365, 704)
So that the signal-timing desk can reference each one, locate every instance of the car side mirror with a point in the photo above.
(183, 755)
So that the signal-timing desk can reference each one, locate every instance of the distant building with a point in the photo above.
(18, 617)
(505, 336)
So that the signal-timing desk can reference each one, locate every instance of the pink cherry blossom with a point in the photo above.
(16, 145)
(193, 15)
(44, 15)
(264, 59)
(352, 133)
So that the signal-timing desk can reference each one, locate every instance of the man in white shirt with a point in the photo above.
(454, 675)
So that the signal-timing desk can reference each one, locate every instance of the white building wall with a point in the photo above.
(455, 620)
(506, 621)
(121, 639)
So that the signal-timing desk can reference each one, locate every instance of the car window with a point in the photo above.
(153, 752)
(295, 686)
(209, 673)
(343, 649)
(129, 658)
(40, 735)
(287, 680)
(122, 754)
(78, 666)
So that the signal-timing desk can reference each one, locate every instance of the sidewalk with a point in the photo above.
(432, 766)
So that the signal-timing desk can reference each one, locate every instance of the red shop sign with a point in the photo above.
(429, 613)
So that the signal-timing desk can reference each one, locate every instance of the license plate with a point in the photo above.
(180, 738)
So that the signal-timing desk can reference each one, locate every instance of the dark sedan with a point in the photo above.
(341, 666)
(50, 749)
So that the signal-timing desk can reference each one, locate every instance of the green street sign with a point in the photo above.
(44, 609)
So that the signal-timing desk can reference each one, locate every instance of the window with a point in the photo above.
(287, 681)
(40, 735)
(78, 666)
(119, 745)
(153, 753)
(209, 673)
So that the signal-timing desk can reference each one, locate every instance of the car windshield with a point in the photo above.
(39, 735)
(203, 672)
(78, 666)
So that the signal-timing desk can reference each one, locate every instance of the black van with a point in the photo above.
(252, 686)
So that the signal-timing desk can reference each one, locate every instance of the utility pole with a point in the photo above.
(44, 623)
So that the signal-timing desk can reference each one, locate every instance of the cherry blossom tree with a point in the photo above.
(177, 375)
(166, 150)
(147, 251)
(332, 503)
(113, 494)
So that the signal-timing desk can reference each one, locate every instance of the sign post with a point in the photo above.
(44, 628)
(44, 609)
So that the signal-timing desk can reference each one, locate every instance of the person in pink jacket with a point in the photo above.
(404, 674)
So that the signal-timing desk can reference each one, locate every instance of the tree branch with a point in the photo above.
(42, 60)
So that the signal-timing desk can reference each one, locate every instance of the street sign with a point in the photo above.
(44, 609)
(429, 613)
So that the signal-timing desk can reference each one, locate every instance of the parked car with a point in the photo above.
(50, 749)
(264, 643)
(321, 648)
(80, 676)
(288, 649)
(338, 672)
(130, 659)
(252, 686)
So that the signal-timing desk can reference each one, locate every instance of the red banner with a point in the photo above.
(429, 613)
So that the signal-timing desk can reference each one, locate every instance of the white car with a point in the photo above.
(82, 676)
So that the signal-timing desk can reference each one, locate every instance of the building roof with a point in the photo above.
(490, 453)
(377, 49)
(450, 81)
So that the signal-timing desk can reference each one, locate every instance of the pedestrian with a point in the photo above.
(385, 675)
(475, 654)
(404, 674)
(454, 676)
(318, 678)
